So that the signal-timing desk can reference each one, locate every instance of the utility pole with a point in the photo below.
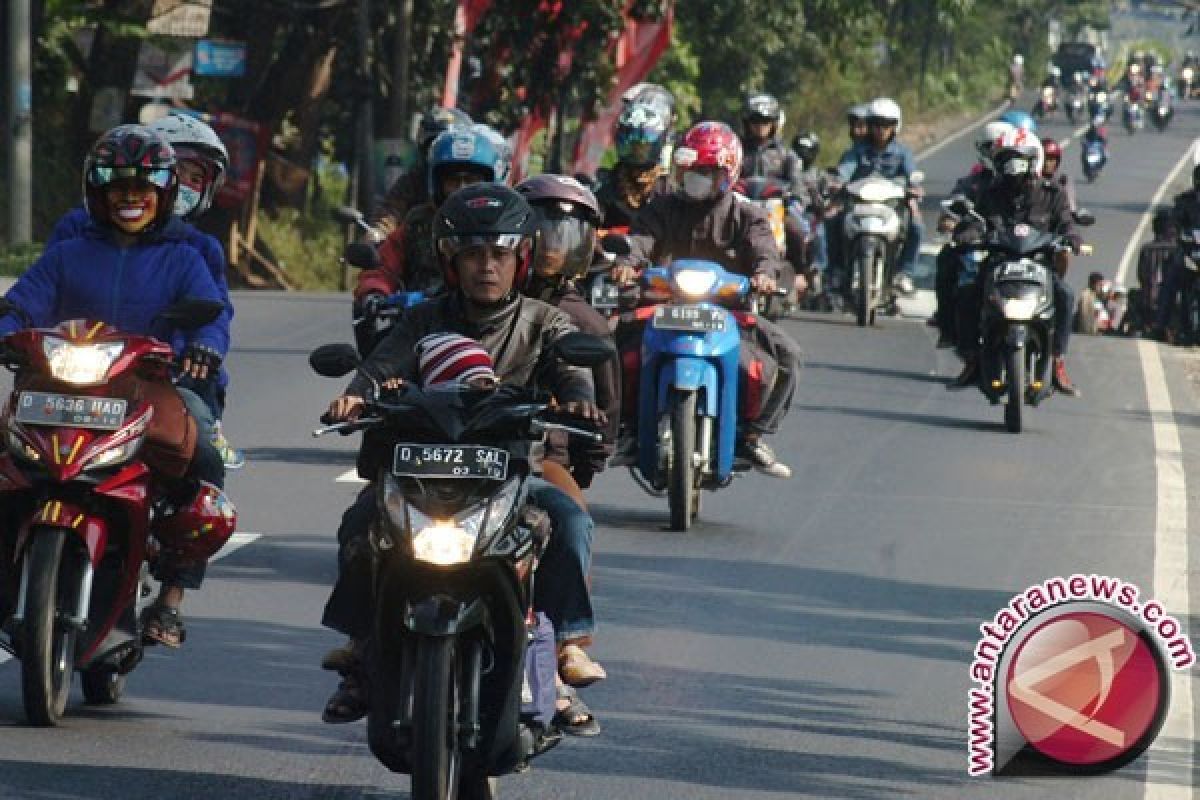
(401, 56)
(19, 136)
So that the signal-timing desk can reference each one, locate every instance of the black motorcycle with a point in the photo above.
(455, 549)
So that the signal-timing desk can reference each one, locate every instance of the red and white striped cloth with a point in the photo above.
(444, 358)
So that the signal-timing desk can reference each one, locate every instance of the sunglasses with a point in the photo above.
(104, 176)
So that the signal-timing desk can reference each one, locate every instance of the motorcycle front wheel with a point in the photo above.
(682, 494)
(47, 638)
(868, 290)
(1014, 368)
(437, 759)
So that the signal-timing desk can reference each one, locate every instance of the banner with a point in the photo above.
(163, 70)
(247, 143)
(180, 17)
(220, 59)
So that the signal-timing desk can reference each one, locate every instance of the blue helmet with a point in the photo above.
(467, 149)
(1019, 119)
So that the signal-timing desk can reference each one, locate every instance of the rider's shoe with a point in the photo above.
(1062, 381)
(902, 282)
(763, 458)
(968, 377)
(234, 459)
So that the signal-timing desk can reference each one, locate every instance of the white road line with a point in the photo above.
(349, 476)
(1135, 241)
(954, 137)
(1170, 761)
(236, 542)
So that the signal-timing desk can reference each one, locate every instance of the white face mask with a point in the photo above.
(698, 186)
(186, 201)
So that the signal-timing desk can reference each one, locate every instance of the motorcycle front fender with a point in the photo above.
(1015, 337)
(446, 616)
(690, 375)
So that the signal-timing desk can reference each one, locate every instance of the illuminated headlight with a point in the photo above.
(1101, 97)
(82, 365)
(449, 542)
(695, 282)
(115, 455)
(1019, 308)
(443, 544)
(1187, 73)
(877, 192)
(1047, 93)
(18, 447)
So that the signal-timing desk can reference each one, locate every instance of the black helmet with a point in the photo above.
(484, 213)
(130, 151)
(761, 108)
(437, 120)
(1196, 176)
(807, 146)
(567, 216)
(1162, 222)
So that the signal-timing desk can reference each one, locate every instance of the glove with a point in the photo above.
(370, 304)
(200, 361)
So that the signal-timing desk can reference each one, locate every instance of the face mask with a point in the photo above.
(187, 201)
(1015, 167)
(698, 186)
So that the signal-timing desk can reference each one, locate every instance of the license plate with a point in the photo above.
(605, 296)
(47, 408)
(701, 319)
(449, 461)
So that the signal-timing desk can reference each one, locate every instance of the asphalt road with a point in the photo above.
(807, 639)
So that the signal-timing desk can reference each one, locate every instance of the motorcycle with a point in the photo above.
(1158, 105)
(1100, 104)
(1187, 81)
(1189, 309)
(1047, 102)
(1094, 155)
(875, 226)
(771, 196)
(1133, 116)
(455, 550)
(1017, 313)
(83, 515)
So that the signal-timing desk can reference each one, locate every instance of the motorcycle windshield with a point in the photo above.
(875, 188)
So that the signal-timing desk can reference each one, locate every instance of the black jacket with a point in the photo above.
(773, 159)
(1041, 204)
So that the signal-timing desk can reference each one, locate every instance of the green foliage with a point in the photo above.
(307, 245)
(16, 259)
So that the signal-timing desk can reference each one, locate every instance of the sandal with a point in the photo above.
(162, 624)
(348, 703)
(576, 719)
(577, 669)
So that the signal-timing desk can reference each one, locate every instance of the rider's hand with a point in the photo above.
(583, 410)
(624, 274)
(370, 303)
(762, 282)
(346, 408)
(200, 361)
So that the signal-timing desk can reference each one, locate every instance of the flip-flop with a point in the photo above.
(163, 625)
(576, 719)
(347, 704)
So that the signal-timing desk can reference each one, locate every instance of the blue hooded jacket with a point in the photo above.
(863, 158)
(76, 221)
(92, 277)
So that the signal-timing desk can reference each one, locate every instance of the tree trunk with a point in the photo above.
(401, 57)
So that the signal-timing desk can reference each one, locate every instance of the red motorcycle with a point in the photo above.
(92, 431)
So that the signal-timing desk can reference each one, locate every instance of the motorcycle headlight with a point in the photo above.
(1187, 73)
(115, 455)
(695, 282)
(1018, 308)
(82, 365)
(1101, 97)
(1047, 93)
(877, 192)
(449, 542)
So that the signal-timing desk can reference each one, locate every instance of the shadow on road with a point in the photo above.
(301, 455)
(881, 372)
(932, 420)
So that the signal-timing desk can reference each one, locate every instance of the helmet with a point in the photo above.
(438, 120)
(1051, 149)
(885, 108)
(1015, 146)
(483, 213)
(807, 146)
(642, 132)
(1054, 70)
(1018, 59)
(1019, 119)
(857, 113)
(761, 108)
(468, 149)
(196, 531)
(566, 214)
(651, 94)
(988, 137)
(503, 149)
(194, 140)
(712, 144)
(124, 152)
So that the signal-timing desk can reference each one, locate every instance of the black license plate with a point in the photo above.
(449, 461)
(48, 408)
(699, 319)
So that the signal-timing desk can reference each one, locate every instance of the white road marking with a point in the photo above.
(236, 542)
(1135, 241)
(1170, 761)
(954, 137)
(349, 476)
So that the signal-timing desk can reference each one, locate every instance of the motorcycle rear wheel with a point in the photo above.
(681, 472)
(1014, 367)
(47, 640)
(437, 760)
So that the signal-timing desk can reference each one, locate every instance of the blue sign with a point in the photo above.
(218, 59)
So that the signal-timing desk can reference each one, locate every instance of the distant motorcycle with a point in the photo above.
(875, 225)
(1094, 155)
(1133, 117)
(1158, 106)
(1100, 104)
(771, 196)
(1047, 102)
(1187, 81)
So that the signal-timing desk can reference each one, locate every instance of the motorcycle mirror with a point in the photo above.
(917, 178)
(362, 255)
(1084, 217)
(192, 312)
(616, 243)
(958, 205)
(333, 360)
(347, 215)
(584, 350)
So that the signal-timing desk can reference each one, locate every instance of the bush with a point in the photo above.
(15, 259)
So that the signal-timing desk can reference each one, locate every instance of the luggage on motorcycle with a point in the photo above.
(538, 694)
(756, 376)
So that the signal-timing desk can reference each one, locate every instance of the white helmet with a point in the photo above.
(885, 108)
(1018, 59)
(191, 138)
(1018, 145)
(985, 142)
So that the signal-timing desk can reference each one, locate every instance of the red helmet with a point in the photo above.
(712, 144)
(1051, 151)
(195, 532)
(130, 151)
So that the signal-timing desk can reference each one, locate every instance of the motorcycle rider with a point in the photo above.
(484, 237)
(566, 215)
(412, 188)
(1052, 160)
(856, 124)
(457, 157)
(1016, 77)
(1180, 280)
(807, 146)
(643, 131)
(882, 153)
(132, 262)
(705, 219)
(1154, 264)
(1019, 195)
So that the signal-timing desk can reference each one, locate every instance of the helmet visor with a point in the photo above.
(638, 146)
(450, 246)
(103, 176)
(567, 242)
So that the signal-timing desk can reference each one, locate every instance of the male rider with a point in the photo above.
(412, 188)
(1180, 279)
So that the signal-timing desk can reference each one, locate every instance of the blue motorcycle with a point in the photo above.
(688, 383)
(1094, 156)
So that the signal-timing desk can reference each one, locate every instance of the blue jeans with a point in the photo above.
(907, 259)
(560, 588)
